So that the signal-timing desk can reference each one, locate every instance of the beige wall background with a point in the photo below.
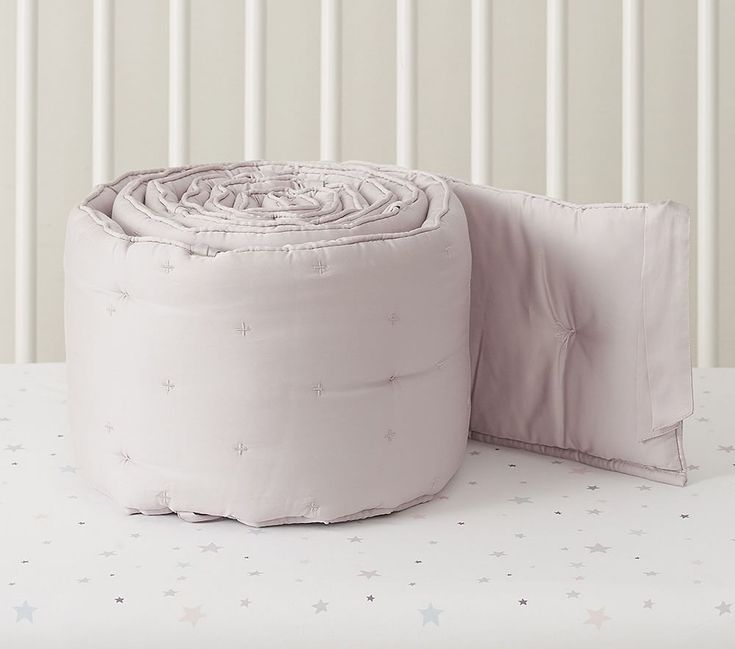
(141, 68)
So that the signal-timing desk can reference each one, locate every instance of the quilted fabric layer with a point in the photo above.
(580, 329)
(272, 343)
(283, 342)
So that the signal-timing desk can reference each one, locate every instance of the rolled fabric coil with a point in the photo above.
(299, 342)
(269, 342)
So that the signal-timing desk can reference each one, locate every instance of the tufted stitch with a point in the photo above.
(320, 267)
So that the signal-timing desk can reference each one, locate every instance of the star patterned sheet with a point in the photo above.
(520, 550)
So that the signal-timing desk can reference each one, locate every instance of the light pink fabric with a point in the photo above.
(580, 335)
(272, 343)
(282, 342)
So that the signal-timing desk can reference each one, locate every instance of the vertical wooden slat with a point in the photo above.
(102, 90)
(481, 91)
(178, 82)
(707, 185)
(254, 79)
(331, 90)
(632, 109)
(556, 98)
(406, 83)
(25, 180)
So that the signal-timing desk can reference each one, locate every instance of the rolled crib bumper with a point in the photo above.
(281, 343)
(272, 343)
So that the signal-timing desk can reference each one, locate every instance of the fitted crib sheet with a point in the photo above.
(519, 550)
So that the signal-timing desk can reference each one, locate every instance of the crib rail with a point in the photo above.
(405, 117)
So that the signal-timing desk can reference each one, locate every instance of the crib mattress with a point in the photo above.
(519, 550)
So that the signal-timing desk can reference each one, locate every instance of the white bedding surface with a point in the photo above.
(520, 550)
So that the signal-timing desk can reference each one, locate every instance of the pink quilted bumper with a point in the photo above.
(282, 342)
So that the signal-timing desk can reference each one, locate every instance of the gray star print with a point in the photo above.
(518, 500)
(724, 608)
(320, 607)
(368, 574)
(598, 548)
(211, 547)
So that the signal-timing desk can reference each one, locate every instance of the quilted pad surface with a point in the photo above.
(302, 342)
(269, 342)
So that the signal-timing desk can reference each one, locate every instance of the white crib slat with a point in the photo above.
(331, 90)
(178, 82)
(406, 83)
(254, 79)
(102, 90)
(707, 186)
(632, 108)
(556, 98)
(481, 115)
(25, 180)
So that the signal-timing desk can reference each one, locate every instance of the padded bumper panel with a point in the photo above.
(580, 329)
